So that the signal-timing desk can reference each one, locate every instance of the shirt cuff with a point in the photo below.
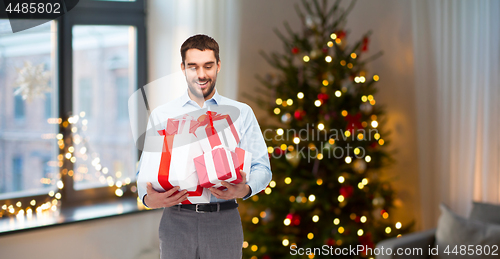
(249, 193)
(144, 202)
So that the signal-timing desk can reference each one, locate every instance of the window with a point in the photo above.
(104, 54)
(123, 91)
(48, 106)
(97, 52)
(18, 107)
(17, 174)
(85, 97)
(27, 128)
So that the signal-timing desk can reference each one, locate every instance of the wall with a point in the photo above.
(390, 21)
(124, 237)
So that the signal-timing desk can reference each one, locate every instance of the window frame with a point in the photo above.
(89, 12)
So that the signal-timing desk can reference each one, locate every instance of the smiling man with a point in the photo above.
(211, 230)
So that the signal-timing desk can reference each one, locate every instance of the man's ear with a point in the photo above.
(218, 66)
(182, 66)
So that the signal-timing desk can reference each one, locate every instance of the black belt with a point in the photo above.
(209, 207)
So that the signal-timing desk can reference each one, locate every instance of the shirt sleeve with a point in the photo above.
(252, 140)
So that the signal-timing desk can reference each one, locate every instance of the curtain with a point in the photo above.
(456, 50)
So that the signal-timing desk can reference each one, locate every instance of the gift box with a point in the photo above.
(174, 166)
(221, 164)
(216, 129)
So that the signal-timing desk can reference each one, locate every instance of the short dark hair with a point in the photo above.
(201, 42)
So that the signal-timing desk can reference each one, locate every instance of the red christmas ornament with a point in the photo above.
(279, 151)
(353, 122)
(330, 242)
(364, 46)
(266, 257)
(295, 50)
(340, 34)
(323, 97)
(296, 220)
(289, 216)
(299, 114)
(366, 241)
(346, 191)
(357, 219)
(325, 50)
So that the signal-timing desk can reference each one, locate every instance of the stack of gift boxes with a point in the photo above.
(197, 154)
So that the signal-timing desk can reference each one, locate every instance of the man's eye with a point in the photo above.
(208, 67)
(192, 68)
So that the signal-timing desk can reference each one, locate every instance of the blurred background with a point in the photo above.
(65, 132)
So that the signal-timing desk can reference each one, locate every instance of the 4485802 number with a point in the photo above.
(471, 250)
(34, 8)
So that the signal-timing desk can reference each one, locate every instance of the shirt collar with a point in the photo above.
(185, 98)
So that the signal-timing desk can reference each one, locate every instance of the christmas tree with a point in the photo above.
(326, 145)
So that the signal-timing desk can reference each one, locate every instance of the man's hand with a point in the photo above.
(156, 199)
(239, 190)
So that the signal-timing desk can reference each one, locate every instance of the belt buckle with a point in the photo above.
(198, 211)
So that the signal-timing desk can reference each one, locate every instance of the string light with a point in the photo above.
(288, 180)
(368, 159)
(306, 58)
(321, 126)
(328, 59)
(341, 179)
(336, 221)
(338, 93)
(317, 103)
(300, 95)
(312, 198)
(398, 225)
(279, 101)
(272, 184)
(315, 218)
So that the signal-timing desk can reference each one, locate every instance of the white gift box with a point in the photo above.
(174, 165)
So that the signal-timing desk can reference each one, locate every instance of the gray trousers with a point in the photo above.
(186, 234)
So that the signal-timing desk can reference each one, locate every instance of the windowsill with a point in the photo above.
(69, 215)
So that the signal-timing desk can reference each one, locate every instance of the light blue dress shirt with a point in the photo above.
(251, 138)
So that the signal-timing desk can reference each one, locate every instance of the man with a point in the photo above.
(210, 230)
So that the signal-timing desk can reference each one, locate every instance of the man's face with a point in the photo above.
(201, 70)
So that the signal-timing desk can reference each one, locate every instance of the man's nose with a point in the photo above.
(201, 73)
